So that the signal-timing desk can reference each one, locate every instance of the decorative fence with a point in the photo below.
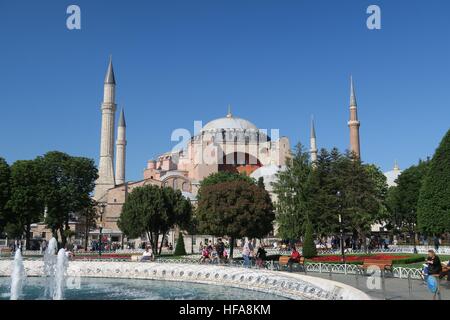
(393, 249)
(348, 269)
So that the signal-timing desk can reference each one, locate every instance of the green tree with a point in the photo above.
(360, 202)
(153, 211)
(309, 247)
(402, 200)
(293, 191)
(67, 183)
(324, 183)
(381, 190)
(236, 209)
(261, 183)
(5, 174)
(87, 220)
(434, 201)
(26, 203)
(225, 176)
(180, 250)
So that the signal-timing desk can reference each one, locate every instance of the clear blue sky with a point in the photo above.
(276, 61)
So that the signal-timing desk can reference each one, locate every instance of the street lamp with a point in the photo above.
(338, 194)
(293, 230)
(414, 235)
(102, 210)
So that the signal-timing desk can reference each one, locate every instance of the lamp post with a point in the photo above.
(293, 229)
(338, 194)
(414, 235)
(102, 210)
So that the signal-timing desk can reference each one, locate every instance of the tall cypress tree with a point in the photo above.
(292, 190)
(433, 212)
(180, 250)
(309, 247)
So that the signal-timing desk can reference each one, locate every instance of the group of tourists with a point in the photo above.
(213, 253)
(249, 256)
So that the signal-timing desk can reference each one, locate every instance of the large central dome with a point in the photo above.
(229, 122)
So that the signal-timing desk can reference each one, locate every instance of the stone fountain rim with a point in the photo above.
(76, 267)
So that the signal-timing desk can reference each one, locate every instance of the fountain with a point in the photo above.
(60, 275)
(17, 276)
(55, 269)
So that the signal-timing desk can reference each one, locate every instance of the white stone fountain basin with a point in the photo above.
(289, 285)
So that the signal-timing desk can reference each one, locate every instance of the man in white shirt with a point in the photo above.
(147, 255)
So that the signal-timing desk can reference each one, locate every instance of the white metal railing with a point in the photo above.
(348, 269)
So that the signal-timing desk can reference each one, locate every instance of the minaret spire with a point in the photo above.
(313, 143)
(352, 93)
(121, 144)
(109, 77)
(106, 179)
(354, 123)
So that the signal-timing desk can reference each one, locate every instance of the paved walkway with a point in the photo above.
(395, 289)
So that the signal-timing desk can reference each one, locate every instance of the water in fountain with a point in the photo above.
(17, 276)
(50, 267)
(60, 274)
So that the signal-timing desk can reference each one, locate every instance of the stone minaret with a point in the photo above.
(105, 180)
(121, 144)
(313, 143)
(354, 123)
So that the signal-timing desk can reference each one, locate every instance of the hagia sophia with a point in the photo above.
(229, 143)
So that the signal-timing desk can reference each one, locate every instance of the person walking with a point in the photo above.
(434, 271)
(436, 243)
(220, 249)
(246, 251)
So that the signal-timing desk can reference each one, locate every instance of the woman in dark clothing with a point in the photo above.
(261, 256)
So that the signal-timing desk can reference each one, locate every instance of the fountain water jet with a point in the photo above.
(60, 274)
(50, 267)
(17, 276)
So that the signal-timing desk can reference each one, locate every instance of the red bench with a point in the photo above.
(385, 265)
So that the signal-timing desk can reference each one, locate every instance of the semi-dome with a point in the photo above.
(269, 174)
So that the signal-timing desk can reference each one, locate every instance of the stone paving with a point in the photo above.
(395, 289)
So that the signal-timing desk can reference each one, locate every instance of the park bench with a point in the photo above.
(5, 251)
(283, 262)
(383, 265)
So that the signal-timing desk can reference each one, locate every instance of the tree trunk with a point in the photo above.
(364, 241)
(55, 234)
(231, 247)
(63, 237)
(162, 242)
(150, 237)
(86, 235)
(28, 236)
